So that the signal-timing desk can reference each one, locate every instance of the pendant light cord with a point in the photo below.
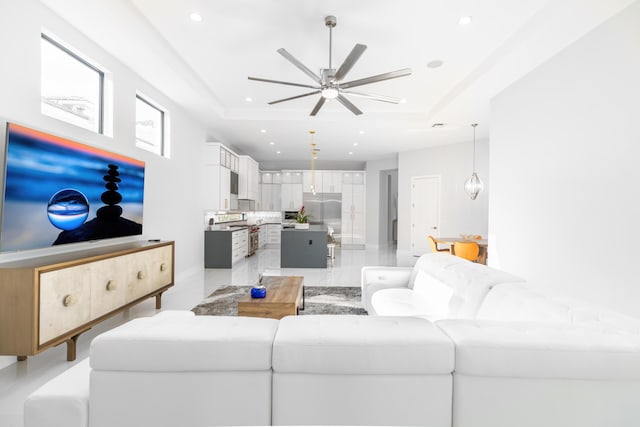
(474, 146)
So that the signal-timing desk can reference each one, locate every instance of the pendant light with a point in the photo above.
(473, 186)
(313, 162)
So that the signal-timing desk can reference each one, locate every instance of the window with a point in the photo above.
(150, 127)
(72, 89)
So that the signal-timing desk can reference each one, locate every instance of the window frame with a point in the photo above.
(163, 125)
(83, 61)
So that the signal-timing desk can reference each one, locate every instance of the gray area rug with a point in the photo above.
(318, 300)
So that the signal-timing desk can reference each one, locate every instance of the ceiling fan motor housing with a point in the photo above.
(328, 76)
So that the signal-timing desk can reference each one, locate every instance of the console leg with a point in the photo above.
(71, 348)
(21, 358)
(159, 301)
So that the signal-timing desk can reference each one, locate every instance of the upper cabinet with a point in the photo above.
(216, 153)
(324, 181)
(248, 179)
(218, 163)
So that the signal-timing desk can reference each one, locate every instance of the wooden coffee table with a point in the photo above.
(285, 295)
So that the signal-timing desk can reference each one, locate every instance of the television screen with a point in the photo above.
(59, 191)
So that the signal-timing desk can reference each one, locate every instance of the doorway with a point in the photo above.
(388, 209)
(425, 212)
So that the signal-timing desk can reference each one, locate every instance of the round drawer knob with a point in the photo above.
(141, 274)
(163, 267)
(68, 300)
(111, 285)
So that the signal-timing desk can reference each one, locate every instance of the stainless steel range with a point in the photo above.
(254, 242)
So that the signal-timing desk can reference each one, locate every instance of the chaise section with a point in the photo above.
(63, 401)
(355, 370)
(530, 374)
(183, 370)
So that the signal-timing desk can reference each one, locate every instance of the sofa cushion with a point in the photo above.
(361, 345)
(542, 350)
(178, 342)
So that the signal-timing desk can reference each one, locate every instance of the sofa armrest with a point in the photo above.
(374, 278)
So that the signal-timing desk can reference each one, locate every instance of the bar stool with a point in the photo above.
(331, 251)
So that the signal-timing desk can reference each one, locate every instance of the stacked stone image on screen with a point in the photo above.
(111, 197)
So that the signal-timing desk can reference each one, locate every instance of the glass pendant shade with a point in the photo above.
(473, 186)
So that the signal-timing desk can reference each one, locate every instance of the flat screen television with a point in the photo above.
(58, 191)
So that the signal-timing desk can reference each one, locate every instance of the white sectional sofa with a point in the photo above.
(524, 356)
(450, 343)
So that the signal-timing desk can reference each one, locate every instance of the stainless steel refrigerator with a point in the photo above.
(325, 209)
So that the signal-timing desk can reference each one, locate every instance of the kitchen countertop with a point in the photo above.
(311, 228)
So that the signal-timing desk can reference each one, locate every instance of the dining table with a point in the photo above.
(482, 244)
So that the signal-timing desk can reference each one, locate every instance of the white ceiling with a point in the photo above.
(204, 66)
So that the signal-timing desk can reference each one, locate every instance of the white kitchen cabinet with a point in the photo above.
(248, 179)
(353, 206)
(217, 177)
(331, 181)
(307, 180)
(291, 196)
(291, 177)
(270, 197)
(217, 188)
(216, 153)
(274, 234)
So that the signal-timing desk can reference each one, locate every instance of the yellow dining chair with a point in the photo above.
(434, 245)
(466, 250)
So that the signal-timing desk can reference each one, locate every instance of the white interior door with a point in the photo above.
(425, 212)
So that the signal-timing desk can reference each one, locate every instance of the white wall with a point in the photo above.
(453, 163)
(372, 211)
(172, 207)
(565, 147)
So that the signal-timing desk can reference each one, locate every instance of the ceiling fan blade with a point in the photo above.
(378, 78)
(344, 101)
(282, 83)
(295, 97)
(318, 106)
(282, 51)
(382, 98)
(348, 63)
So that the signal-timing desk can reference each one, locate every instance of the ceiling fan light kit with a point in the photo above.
(329, 84)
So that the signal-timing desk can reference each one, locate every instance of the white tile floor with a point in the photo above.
(20, 379)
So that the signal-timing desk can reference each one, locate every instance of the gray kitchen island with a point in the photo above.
(304, 248)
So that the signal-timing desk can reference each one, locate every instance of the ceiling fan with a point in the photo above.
(330, 85)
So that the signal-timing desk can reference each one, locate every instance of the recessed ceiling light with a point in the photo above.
(272, 143)
(465, 20)
(248, 99)
(351, 153)
(435, 63)
(355, 144)
(403, 101)
(195, 17)
(263, 131)
(278, 152)
(361, 132)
